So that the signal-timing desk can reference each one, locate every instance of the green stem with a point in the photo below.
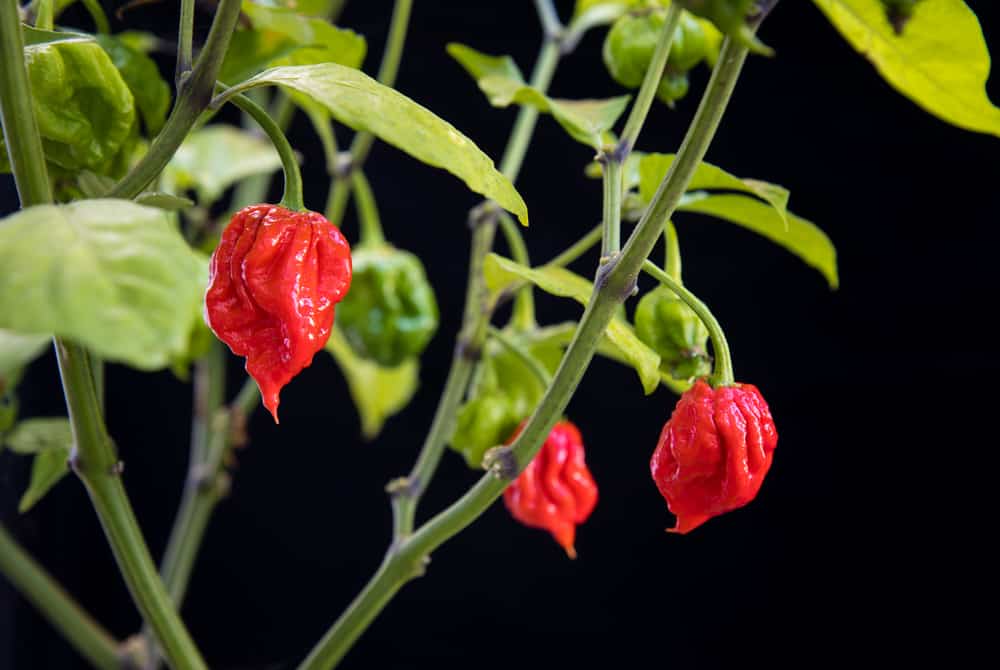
(615, 282)
(98, 16)
(723, 373)
(185, 41)
(523, 317)
(523, 354)
(672, 252)
(550, 19)
(527, 117)
(362, 142)
(647, 92)
(38, 587)
(578, 248)
(612, 231)
(247, 399)
(45, 14)
(371, 223)
(193, 98)
(292, 198)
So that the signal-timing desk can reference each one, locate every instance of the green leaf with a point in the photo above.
(282, 36)
(653, 168)
(801, 237)
(357, 100)
(165, 201)
(586, 121)
(33, 436)
(500, 272)
(378, 392)
(151, 92)
(215, 157)
(941, 61)
(36, 36)
(115, 276)
(19, 349)
(47, 469)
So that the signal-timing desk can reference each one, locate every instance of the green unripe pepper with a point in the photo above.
(482, 423)
(629, 47)
(390, 313)
(673, 87)
(667, 325)
(689, 46)
(85, 111)
(730, 16)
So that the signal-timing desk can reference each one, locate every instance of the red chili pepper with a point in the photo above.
(713, 453)
(556, 491)
(273, 282)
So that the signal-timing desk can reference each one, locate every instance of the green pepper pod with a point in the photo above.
(668, 326)
(482, 423)
(730, 16)
(85, 110)
(390, 313)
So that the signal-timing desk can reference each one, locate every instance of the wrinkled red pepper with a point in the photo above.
(556, 491)
(273, 282)
(714, 452)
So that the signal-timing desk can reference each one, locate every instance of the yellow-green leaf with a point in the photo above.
(378, 392)
(801, 237)
(941, 61)
(357, 100)
(501, 272)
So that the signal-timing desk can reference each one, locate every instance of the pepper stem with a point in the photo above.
(522, 353)
(292, 198)
(723, 373)
(371, 223)
(673, 252)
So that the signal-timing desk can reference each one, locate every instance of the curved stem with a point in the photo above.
(673, 252)
(371, 223)
(578, 248)
(37, 586)
(522, 353)
(362, 142)
(523, 317)
(615, 282)
(292, 198)
(192, 100)
(98, 16)
(723, 373)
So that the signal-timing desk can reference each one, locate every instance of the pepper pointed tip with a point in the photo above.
(571, 552)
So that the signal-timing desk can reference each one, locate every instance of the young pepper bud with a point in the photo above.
(273, 283)
(670, 328)
(391, 313)
(714, 452)
(556, 491)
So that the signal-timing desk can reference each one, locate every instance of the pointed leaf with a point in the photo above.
(32, 436)
(113, 275)
(588, 121)
(47, 469)
(215, 157)
(480, 65)
(801, 237)
(941, 60)
(164, 201)
(357, 100)
(500, 272)
(653, 168)
(378, 392)
(19, 349)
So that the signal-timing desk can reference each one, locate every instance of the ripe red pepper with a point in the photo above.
(556, 491)
(273, 282)
(713, 453)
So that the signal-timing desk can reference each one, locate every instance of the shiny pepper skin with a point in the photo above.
(390, 314)
(556, 491)
(273, 283)
(714, 452)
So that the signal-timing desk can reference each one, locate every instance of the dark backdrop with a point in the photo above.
(858, 549)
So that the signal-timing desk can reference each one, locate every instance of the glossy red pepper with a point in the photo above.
(273, 282)
(714, 452)
(556, 491)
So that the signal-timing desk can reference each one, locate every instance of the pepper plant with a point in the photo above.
(143, 239)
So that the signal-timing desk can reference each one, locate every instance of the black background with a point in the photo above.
(861, 545)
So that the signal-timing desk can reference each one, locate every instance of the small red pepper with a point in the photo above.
(273, 282)
(713, 453)
(556, 491)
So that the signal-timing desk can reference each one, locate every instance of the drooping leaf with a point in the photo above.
(113, 275)
(378, 392)
(801, 237)
(586, 121)
(941, 61)
(47, 468)
(19, 349)
(283, 36)
(215, 157)
(653, 168)
(33, 436)
(501, 272)
(151, 92)
(358, 101)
